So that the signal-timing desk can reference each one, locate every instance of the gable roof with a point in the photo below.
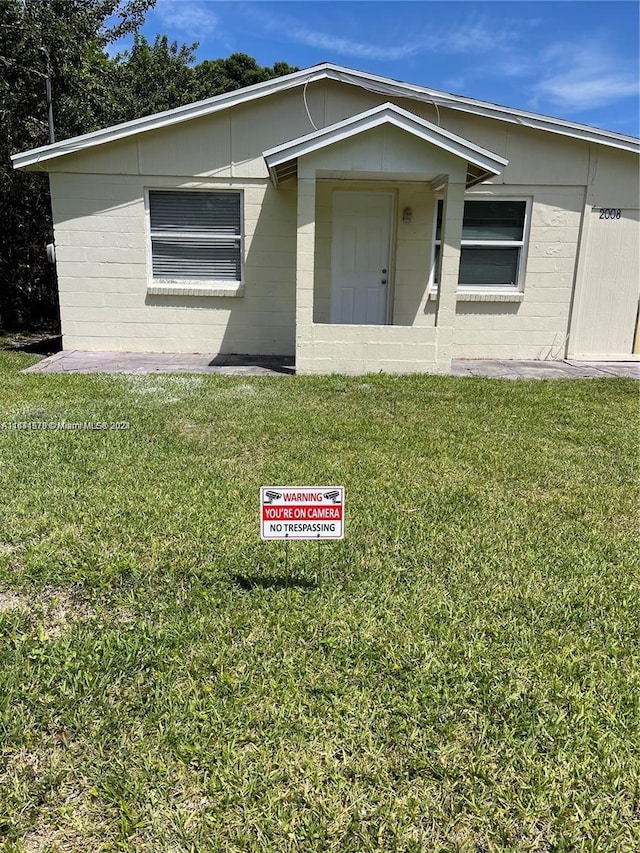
(281, 159)
(325, 71)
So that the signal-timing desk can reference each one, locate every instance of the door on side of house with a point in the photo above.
(360, 257)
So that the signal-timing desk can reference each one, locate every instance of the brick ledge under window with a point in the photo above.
(479, 296)
(187, 288)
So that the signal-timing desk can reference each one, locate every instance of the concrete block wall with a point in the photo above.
(538, 326)
(332, 348)
(102, 246)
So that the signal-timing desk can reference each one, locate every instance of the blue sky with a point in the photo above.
(574, 60)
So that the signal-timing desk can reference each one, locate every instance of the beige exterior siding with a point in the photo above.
(368, 349)
(604, 322)
(537, 327)
(579, 269)
(605, 310)
(386, 151)
(103, 271)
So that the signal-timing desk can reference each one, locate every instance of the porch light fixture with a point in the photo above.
(407, 214)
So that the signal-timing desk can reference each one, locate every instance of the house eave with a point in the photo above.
(481, 162)
(537, 121)
(324, 71)
(157, 121)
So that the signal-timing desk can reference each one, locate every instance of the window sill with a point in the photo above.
(195, 288)
(482, 296)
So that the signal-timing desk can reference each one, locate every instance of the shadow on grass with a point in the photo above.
(250, 582)
(39, 344)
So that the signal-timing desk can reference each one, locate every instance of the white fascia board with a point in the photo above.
(165, 119)
(385, 114)
(323, 71)
(396, 88)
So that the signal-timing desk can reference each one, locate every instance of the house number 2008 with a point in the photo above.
(610, 213)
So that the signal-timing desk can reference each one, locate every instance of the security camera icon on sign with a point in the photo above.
(272, 496)
(332, 496)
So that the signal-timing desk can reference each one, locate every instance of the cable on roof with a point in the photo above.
(306, 106)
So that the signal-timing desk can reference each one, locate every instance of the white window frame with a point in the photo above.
(523, 245)
(186, 286)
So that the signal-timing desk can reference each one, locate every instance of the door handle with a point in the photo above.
(384, 281)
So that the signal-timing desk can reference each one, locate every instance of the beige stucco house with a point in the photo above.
(359, 223)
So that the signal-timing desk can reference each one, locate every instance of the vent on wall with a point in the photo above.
(287, 171)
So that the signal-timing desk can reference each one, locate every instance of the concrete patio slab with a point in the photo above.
(615, 368)
(76, 361)
(530, 369)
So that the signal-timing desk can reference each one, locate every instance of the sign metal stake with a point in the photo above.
(302, 512)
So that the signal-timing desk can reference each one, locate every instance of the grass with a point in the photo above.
(461, 673)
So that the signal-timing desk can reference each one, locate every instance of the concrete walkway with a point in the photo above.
(75, 361)
(565, 369)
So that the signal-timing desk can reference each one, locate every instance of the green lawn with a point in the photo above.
(461, 673)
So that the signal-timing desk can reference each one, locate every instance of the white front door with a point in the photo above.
(361, 243)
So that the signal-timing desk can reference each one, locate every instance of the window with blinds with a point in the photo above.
(493, 237)
(195, 235)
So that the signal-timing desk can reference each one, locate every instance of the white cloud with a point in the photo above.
(472, 36)
(189, 18)
(517, 66)
(578, 91)
(583, 77)
(349, 47)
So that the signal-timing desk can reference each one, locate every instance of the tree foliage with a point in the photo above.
(154, 77)
(68, 38)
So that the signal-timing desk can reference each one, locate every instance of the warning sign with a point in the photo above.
(302, 512)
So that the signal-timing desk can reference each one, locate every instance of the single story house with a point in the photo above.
(358, 223)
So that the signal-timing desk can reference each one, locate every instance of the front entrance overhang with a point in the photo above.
(481, 164)
(391, 147)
